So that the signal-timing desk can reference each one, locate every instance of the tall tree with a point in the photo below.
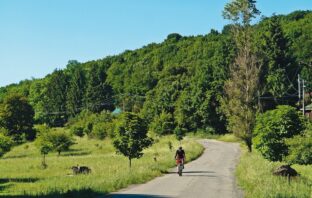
(55, 100)
(75, 93)
(17, 116)
(98, 93)
(241, 88)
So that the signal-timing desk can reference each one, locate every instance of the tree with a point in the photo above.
(60, 141)
(55, 100)
(44, 144)
(17, 116)
(273, 128)
(98, 93)
(279, 69)
(54, 140)
(131, 136)
(241, 88)
(76, 91)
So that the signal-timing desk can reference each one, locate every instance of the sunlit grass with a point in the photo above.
(255, 176)
(21, 172)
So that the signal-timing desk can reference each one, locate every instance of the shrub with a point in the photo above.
(99, 131)
(60, 141)
(163, 124)
(273, 128)
(300, 148)
(77, 130)
(5, 144)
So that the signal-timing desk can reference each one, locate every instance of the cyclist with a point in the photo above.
(180, 156)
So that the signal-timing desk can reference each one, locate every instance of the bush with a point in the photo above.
(163, 124)
(77, 130)
(300, 148)
(5, 144)
(99, 131)
(273, 128)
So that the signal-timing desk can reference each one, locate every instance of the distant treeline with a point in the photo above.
(179, 82)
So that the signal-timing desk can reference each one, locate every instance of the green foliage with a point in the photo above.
(98, 93)
(55, 99)
(76, 89)
(77, 130)
(99, 130)
(163, 124)
(5, 144)
(300, 148)
(183, 76)
(95, 125)
(273, 128)
(179, 133)
(239, 102)
(131, 136)
(241, 11)
(53, 140)
(17, 116)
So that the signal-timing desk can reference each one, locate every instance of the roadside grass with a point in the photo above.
(229, 137)
(254, 175)
(22, 175)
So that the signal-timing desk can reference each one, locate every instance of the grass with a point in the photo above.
(22, 176)
(229, 137)
(254, 175)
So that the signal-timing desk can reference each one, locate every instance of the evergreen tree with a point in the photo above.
(55, 100)
(279, 68)
(98, 93)
(76, 91)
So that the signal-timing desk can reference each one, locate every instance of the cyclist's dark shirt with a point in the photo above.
(180, 153)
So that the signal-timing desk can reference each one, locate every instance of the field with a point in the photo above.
(255, 177)
(22, 176)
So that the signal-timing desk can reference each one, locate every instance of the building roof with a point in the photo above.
(308, 107)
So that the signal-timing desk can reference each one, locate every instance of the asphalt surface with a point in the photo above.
(211, 175)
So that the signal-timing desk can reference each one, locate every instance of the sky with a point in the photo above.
(38, 36)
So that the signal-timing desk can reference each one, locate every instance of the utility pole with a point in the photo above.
(303, 107)
(299, 89)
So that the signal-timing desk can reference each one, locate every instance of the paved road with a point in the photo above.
(211, 175)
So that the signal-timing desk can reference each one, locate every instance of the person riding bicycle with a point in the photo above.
(180, 156)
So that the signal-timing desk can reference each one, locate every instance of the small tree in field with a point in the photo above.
(43, 143)
(60, 141)
(131, 136)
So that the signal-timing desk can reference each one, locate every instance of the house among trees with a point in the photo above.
(308, 111)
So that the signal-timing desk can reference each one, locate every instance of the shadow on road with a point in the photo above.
(174, 172)
(134, 196)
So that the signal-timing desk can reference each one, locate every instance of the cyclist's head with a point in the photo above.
(180, 147)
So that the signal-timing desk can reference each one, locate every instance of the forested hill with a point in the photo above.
(178, 82)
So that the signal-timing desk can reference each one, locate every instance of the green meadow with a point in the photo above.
(255, 176)
(22, 175)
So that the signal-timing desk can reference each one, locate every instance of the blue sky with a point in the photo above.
(37, 36)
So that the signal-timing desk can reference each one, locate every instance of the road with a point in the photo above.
(211, 175)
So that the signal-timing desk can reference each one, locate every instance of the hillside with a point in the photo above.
(180, 79)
